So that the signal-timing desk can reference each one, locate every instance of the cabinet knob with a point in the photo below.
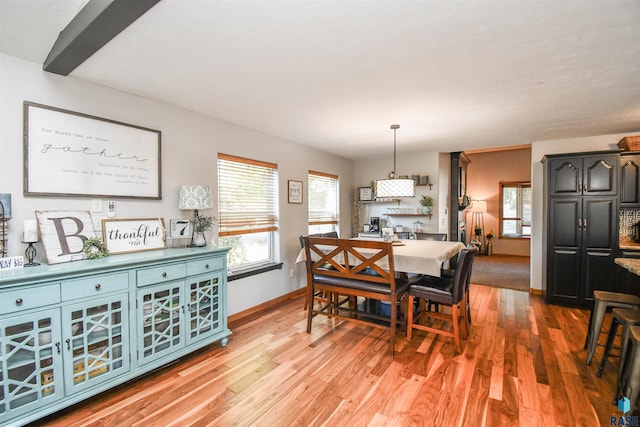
(164, 274)
(19, 301)
(206, 266)
(98, 286)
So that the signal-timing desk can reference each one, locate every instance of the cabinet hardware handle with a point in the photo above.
(584, 224)
(579, 223)
(19, 301)
(206, 266)
(98, 286)
(58, 347)
(68, 341)
(164, 274)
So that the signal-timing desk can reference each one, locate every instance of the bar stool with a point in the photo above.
(602, 301)
(627, 318)
(629, 373)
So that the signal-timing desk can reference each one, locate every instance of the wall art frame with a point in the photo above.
(295, 191)
(63, 234)
(124, 235)
(67, 153)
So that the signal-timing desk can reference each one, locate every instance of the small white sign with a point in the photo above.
(133, 235)
(11, 263)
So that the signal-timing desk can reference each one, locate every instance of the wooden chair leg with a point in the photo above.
(392, 330)
(410, 316)
(456, 327)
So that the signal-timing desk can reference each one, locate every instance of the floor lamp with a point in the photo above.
(478, 209)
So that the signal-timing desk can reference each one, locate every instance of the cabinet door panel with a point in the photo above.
(600, 175)
(564, 275)
(30, 363)
(629, 181)
(599, 223)
(566, 176)
(162, 324)
(204, 317)
(564, 216)
(598, 274)
(96, 341)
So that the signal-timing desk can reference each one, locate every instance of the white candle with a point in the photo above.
(30, 231)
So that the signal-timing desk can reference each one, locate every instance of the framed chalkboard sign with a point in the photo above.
(73, 154)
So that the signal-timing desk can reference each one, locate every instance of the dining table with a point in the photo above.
(416, 256)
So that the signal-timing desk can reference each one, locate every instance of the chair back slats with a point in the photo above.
(350, 259)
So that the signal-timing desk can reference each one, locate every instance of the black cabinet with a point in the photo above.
(630, 181)
(594, 175)
(581, 226)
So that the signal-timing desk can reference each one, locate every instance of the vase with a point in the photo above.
(198, 239)
(489, 248)
(426, 209)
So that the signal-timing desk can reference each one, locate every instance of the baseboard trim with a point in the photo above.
(536, 291)
(265, 305)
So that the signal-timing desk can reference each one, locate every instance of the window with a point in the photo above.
(515, 209)
(323, 202)
(247, 200)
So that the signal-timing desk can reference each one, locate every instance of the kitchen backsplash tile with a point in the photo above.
(628, 217)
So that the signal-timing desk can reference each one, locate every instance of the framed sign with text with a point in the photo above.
(63, 234)
(74, 154)
(133, 235)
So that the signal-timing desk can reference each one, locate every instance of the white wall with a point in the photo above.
(190, 143)
(538, 150)
(415, 163)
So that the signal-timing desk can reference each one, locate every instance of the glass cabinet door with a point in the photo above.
(96, 341)
(160, 331)
(203, 306)
(30, 362)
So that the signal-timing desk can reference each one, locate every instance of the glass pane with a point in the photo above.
(526, 206)
(509, 202)
(321, 228)
(510, 227)
(247, 249)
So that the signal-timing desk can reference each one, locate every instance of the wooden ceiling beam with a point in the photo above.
(93, 27)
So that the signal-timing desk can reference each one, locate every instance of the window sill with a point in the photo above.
(252, 272)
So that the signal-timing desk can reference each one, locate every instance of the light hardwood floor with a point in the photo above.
(523, 364)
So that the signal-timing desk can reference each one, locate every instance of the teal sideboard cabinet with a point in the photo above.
(70, 331)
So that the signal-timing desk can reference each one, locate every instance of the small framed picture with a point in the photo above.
(180, 228)
(295, 191)
(366, 193)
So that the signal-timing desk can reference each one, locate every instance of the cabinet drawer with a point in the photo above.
(24, 299)
(204, 266)
(164, 273)
(94, 285)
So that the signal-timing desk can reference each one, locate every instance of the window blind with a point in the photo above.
(323, 198)
(247, 195)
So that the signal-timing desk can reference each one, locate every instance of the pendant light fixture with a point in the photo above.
(393, 187)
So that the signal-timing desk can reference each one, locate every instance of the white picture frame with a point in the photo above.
(295, 191)
(366, 194)
(133, 235)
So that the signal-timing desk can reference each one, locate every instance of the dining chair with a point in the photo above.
(448, 291)
(330, 234)
(442, 237)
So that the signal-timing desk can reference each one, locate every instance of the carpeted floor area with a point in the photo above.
(502, 271)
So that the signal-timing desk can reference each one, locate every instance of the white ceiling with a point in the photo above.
(456, 75)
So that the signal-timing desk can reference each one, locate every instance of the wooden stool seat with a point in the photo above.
(603, 301)
(627, 318)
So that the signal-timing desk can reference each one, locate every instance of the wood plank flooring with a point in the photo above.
(523, 364)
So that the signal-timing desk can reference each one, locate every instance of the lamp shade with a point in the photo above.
(195, 197)
(393, 188)
(479, 206)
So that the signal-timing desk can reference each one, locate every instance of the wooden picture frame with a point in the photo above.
(365, 194)
(295, 191)
(133, 235)
(63, 234)
(73, 154)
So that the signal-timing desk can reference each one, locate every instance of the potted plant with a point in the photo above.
(427, 204)
(477, 230)
(489, 244)
(200, 225)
